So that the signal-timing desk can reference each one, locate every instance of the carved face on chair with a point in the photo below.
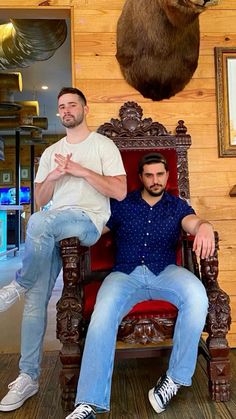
(158, 44)
(218, 313)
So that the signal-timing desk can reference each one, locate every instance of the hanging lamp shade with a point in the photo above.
(32, 123)
(9, 83)
(24, 41)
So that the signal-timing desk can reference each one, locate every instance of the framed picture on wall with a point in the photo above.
(6, 177)
(225, 66)
(25, 173)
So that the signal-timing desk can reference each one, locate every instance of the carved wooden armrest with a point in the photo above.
(218, 319)
(217, 326)
(70, 306)
(219, 314)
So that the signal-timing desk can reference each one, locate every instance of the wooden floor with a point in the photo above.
(131, 382)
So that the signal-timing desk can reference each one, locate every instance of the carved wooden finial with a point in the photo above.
(181, 128)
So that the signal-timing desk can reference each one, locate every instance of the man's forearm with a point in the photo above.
(191, 224)
(199, 223)
(111, 186)
(44, 192)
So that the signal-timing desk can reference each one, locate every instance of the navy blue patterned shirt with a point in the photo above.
(146, 235)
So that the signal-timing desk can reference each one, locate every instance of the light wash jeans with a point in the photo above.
(41, 266)
(117, 295)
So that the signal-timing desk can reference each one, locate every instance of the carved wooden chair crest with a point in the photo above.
(149, 322)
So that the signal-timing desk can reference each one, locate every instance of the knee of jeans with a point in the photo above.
(200, 309)
(196, 297)
(36, 224)
(205, 301)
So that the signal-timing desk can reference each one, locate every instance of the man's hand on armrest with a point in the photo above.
(204, 241)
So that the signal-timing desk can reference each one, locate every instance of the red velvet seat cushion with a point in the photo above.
(149, 308)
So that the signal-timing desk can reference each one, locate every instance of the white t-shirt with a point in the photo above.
(97, 153)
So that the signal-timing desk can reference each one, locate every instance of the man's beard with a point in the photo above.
(73, 122)
(155, 193)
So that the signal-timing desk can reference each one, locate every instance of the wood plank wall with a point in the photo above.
(97, 73)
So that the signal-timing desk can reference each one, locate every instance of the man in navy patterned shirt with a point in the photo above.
(147, 225)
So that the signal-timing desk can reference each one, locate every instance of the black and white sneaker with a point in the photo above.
(83, 411)
(160, 395)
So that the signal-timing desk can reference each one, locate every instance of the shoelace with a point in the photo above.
(18, 383)
(167, 390)
(82, 411)
(5, 293)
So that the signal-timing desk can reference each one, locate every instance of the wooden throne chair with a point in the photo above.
(147, 330)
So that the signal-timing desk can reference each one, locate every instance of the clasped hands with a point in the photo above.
(63, 162)
(66, 166)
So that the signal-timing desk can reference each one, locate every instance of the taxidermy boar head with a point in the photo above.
(158, 44)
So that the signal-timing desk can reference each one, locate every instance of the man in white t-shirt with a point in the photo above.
(78, 174)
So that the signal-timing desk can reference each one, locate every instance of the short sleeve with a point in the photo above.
(44, 168)
(112, 164)
(185, 209)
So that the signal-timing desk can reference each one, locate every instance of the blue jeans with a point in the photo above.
(117, 295)
(41, 266)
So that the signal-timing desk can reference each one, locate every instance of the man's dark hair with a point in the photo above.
(151, 158)
(74, 91)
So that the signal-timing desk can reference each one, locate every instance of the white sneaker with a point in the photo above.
(19, 391)
(9, 294)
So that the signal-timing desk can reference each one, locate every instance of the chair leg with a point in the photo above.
(70, 357)
(216, 351)
(69, 332)
(217, 326)
(70, 319)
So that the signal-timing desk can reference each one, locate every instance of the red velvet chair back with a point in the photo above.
(102, 253)
(135, 137)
